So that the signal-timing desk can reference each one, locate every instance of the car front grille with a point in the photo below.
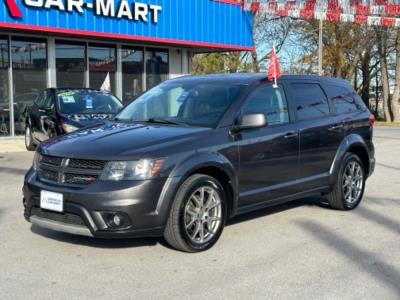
(58, 217)
(69, 171)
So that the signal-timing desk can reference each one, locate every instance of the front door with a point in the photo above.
(268, 156)
(42, 116)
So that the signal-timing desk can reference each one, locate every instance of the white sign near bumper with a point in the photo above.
(51, 201)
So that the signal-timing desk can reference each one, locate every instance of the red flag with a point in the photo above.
(273, 68)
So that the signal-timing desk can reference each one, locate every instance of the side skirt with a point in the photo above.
(280, 200)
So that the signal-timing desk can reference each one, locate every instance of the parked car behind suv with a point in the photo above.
(64, 110)
(194, 151)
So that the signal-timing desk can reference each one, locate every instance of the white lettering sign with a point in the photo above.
(127, 9)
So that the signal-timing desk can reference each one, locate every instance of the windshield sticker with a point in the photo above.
(68, 99)
(89, 102)
(183, 97)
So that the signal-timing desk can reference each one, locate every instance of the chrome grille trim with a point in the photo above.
(67, 173)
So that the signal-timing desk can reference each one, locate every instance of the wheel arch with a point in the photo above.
(212, 164)
(355, 144)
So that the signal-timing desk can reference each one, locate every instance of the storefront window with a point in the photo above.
(29, 62)
(4, 97)
(102, 67)
(132, 71)
(157, 66)
(70, 64)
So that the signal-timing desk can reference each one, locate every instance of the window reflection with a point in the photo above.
(102, 67)
(70, 64)
(157, 66)
(132, 70)
(29, 62)
(4, 98)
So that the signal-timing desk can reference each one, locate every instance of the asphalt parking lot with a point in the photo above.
(297, 250)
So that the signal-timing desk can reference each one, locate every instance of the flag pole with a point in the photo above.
(275, 85)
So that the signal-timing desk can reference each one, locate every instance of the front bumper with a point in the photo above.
(142, 205)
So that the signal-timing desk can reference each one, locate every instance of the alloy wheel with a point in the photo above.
(203, 214)
(353, 182)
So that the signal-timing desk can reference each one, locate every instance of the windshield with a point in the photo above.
(86, 101)
(194, 104)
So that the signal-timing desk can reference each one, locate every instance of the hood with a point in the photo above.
(114, 140)
(83, 120)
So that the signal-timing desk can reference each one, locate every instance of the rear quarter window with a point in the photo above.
(344, 99)
(310, 100)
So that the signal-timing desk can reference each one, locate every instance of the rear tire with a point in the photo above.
(350, 184)
(29, 143)
(197, 216)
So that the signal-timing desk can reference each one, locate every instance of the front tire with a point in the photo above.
(350, 184)
(29, 143)
(197, 216)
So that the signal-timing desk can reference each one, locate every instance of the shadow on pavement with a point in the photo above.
(389, 167)
(382, 271)
(13, 171)
(382, 201)
(94, 242)
(379, 219)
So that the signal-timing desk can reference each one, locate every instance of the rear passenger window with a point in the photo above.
(344, 100)
(270, 101)
(310, 100)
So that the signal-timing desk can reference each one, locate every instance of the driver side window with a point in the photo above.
(270, 101)
(40, 99)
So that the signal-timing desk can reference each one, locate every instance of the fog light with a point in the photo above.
(117, 220)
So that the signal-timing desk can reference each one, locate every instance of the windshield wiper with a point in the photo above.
(159, 121)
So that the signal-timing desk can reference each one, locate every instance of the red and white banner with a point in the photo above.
(371, 12)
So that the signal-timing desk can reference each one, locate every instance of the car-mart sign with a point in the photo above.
(107, 8)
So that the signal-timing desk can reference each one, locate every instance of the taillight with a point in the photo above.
(371, 119)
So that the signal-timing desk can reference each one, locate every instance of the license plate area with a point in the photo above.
(51, 201)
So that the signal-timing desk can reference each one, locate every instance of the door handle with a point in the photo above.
(336, 127)
(291, 135)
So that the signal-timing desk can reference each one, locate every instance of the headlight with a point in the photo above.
(36, 159)
(69, 128)
(131, 170)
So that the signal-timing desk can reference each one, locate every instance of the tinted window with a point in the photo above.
(157, 66)
(4, 88)
(102, 67)
(132, 70)
(48, 101)
(270, 101)
(70, 64)
(40, 99)
(29, 62)
(311, 101)
(343, 99)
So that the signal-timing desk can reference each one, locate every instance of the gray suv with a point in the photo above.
(189, 154)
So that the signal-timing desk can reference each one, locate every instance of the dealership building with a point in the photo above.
(80, 43)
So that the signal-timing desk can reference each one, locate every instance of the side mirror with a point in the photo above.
(250, 121)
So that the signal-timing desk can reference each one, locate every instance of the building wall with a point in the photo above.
(30, 63)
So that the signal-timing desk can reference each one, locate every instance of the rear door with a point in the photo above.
(320, 132)
(268, 156)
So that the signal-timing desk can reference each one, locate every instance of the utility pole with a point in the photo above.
(320, 49)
